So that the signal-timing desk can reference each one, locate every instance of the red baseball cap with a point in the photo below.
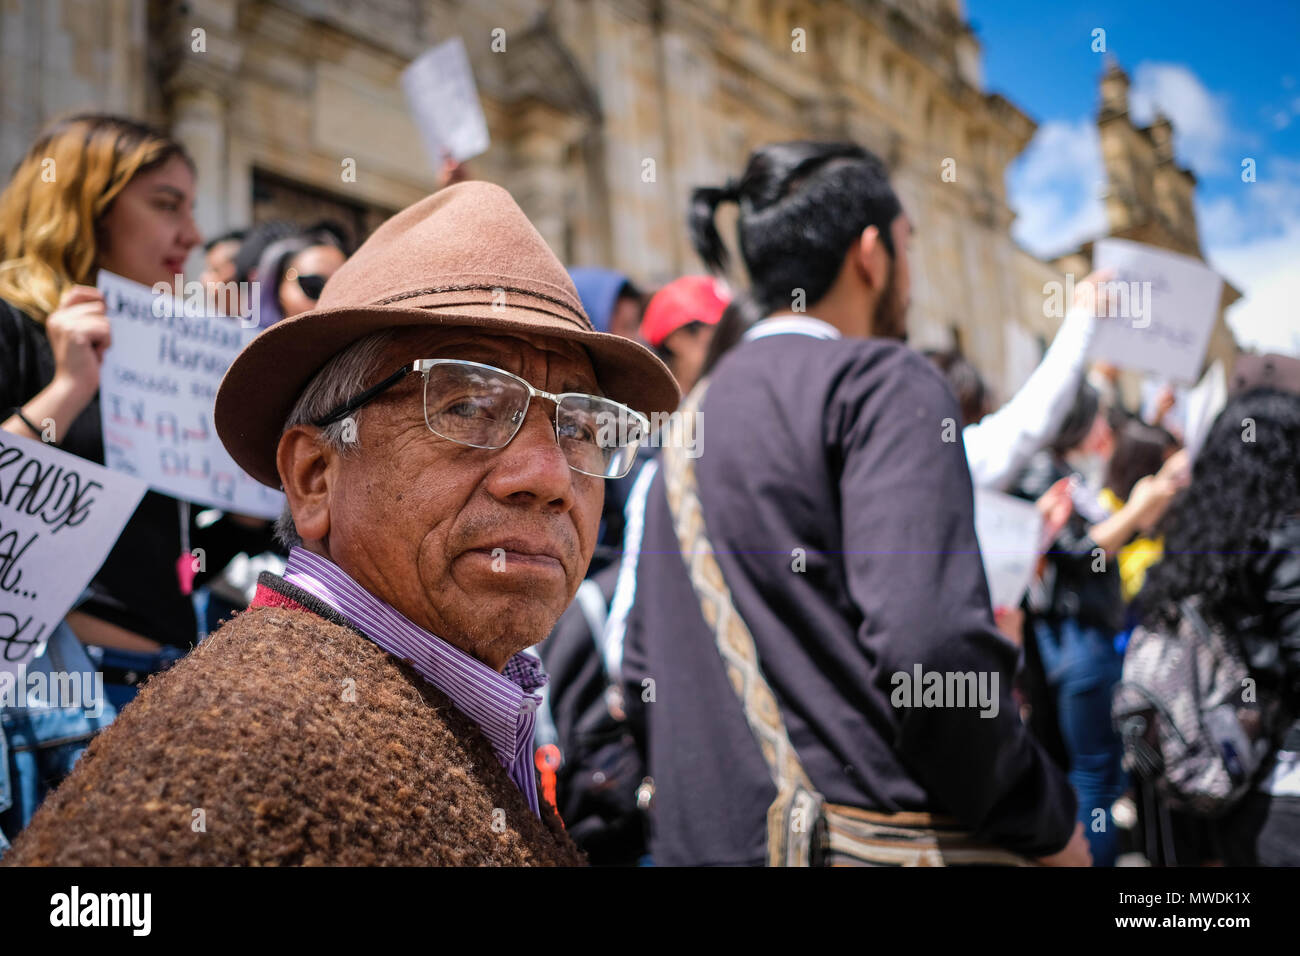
(682, 301)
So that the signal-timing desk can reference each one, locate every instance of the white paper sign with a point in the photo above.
(59, 517)
(1204, 403)
(443, 98)
(1172, 301)
(1008, 530)
(156, 391)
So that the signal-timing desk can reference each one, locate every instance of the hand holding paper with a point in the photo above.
(157, 387)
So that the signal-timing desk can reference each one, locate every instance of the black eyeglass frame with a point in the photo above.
(422, 367)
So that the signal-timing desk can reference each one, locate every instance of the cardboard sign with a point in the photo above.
(440, 90)
(156, 390)
(1166, 311)
(59, 517)
(1008, 530)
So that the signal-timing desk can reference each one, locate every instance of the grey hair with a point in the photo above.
(345, 375)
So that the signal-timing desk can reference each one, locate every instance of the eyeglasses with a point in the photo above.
(311, 285)
(484, 407)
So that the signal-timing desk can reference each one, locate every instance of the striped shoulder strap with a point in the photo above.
(794, 820)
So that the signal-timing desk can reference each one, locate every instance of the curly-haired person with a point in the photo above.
(1232, 540)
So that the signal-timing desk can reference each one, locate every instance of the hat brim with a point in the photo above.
(264, 382)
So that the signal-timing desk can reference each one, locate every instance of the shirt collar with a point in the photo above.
(502, 704)
(792, 325)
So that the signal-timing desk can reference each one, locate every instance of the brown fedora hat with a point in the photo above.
(465, 256)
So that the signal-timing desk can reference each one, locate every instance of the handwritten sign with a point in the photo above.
(59, 517)
(156, 391)
(1167, 306)
(443, 98)
(1008, 530)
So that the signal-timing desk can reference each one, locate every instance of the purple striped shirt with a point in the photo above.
(503, 705)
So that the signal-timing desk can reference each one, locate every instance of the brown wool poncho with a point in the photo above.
(302, 743)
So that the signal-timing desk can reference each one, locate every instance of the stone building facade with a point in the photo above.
(603, 114)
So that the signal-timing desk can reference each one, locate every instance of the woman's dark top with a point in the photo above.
(137, 588)
(1094, 597)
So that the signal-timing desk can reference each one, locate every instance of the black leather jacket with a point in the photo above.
(1266, 614)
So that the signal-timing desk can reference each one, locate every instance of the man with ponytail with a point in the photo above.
(815, 568)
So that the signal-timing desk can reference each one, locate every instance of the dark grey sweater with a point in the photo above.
(837, 448)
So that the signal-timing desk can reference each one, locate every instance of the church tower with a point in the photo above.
(1148, 196)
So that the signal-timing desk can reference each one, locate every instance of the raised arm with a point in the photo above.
(998, 447)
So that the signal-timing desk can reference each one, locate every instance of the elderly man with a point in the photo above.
(442, 427)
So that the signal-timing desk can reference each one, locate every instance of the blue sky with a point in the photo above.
(1228, 75)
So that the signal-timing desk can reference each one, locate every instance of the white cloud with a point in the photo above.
(1250, 231)
(1269, 206)
(1201, 126)
(1268, 315)
(1055, 188)
(1252, 236)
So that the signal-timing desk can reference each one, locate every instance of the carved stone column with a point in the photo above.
(202, 51)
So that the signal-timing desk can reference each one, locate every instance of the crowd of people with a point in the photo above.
(672, 647)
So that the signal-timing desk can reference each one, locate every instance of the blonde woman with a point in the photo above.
(97, 192)
(93, 192)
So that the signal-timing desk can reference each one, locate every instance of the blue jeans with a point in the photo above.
(40, 743)
(211, 609)
(1082, 669)
(125, 671)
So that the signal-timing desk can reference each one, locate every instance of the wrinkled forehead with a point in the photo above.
(566, 364)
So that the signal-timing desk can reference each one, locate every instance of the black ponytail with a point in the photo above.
(802, 206)
(703, 230)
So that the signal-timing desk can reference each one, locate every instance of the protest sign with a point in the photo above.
(443, 98)
(59, 517)
(1167, 304)
(1008, 530)
(1204, 403)
(156, 390)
